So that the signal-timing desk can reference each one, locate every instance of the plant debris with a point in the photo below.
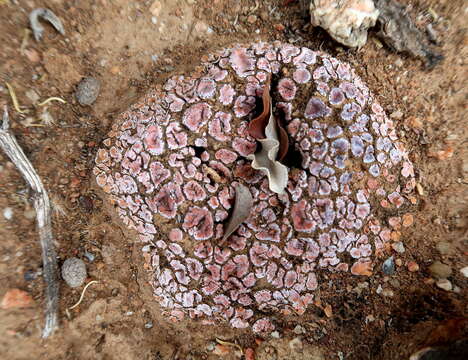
(265, 159)
(53, 98)
(81, 297)
(242, 207)
(274, 141)
(14, 99)
(42, 206)
(228, 343)
(398, 31)
(47, 15)
(258, 125)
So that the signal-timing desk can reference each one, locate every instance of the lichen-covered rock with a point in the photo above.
(74, 272)
(87, 91)
(347, 21)
(171, 164)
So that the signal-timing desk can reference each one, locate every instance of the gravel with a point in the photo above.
(87, 90)
(440, 270)
(444, 284)
(74, 272)
(388, 267)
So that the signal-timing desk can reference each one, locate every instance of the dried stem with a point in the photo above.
(41, 203)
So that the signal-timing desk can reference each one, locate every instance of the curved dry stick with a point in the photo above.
(47, 15)
(42, 206)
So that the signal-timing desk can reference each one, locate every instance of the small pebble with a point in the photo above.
(279, 27)
(440, 270)
(399, 62)
(444, 247)
(398, 247)
(8, 213)
(251, 19)
(398, 262)
(211, 346)
(413, 266)
(387, 293)
(74, 272)
(464, 271)
(444, 284)
(388, 267)
(30, 275)
(275, 334)
(149, 325)
(87, 90)
(396, 115)
(30, 214)
(298, 330)
(89, 256)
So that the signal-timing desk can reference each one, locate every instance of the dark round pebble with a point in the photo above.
(87, 90)
(388, 267)
(30, 275)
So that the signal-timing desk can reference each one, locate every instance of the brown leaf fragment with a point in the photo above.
(257, 126)
(242, 206)
(283, 141)
(399, 32)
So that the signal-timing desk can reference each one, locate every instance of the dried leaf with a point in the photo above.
(283, 140)
(242, 206)
(257, 126)
(328, 311)
(265, 159)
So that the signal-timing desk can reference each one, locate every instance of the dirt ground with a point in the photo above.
(128, 46)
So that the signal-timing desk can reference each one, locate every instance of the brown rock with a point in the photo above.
(16, 298)
(362, 268)
(279, 27)
(408, 220)
(249, 354)
(413, 266)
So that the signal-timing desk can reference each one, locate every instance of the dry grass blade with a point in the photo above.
(81, 297)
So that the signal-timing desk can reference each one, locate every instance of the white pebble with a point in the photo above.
(464, 271)
(444, 284)
(275, 334)
(8, 213)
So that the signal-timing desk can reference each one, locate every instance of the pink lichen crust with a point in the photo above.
(171, 164)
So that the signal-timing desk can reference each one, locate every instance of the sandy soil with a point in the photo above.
(129, 48)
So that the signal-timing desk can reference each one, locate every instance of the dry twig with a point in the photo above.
(41, 204)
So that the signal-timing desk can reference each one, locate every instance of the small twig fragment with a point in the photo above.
(47, 15)
(42, 206)
(242, 207)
